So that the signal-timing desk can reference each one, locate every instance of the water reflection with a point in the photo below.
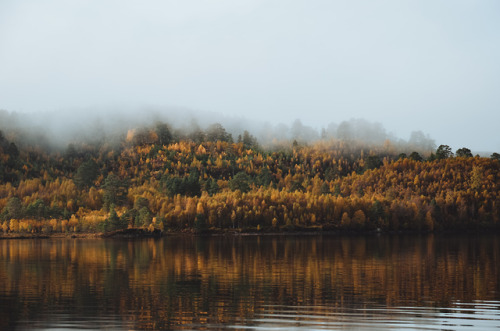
(478, 315)
(251, 282)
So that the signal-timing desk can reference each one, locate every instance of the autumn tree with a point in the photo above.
(476, 178)
(358, 219)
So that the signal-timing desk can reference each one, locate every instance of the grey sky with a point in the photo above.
(411, 65)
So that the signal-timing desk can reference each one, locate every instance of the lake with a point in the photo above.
(308, 282)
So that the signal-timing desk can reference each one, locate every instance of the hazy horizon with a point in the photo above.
(411, 66)
(58, 129)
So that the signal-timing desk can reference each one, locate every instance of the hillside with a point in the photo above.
(208, 182)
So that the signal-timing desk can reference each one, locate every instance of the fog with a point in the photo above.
(408, 65)
(54, 131)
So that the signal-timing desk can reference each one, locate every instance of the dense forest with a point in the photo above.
(157, 178)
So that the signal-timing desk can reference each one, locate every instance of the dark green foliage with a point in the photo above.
(10, 163)
(377, 213)
(141, 202)
(416, 157)
(115, 191)
(336, 190)
(241, 181)
(164, 133)
(216, 132)
(443, 152)
(144, 217)
(495, 156)
(70, 154)
(197, 135)
(211, 186)
(128, 217)
(373, 162)
(38, 210)
(193, 186)
(86, 174)
(13, 209)
(154, 151)
(104, 226)
(248, 140)
(264, 178)
(464, 152)
(331, 173)
(189, 186)
(13, 154)
(114, 222)
(143, 136)
(173, 185)
(402, 156)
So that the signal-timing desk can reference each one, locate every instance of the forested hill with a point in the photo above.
(208, 182)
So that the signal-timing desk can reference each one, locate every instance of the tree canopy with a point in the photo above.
(158, 179)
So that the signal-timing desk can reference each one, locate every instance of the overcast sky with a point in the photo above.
(410, 65)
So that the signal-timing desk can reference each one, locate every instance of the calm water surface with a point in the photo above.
(255, 283)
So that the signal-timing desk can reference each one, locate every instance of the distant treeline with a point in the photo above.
(208, 180)
(53, 131)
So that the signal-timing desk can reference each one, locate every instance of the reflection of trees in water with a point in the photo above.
(159, 283)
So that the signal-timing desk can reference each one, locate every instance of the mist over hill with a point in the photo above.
(94, 173)
(57, 129)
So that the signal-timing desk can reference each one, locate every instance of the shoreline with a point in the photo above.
(139, 233)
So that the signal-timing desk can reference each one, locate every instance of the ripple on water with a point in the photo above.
(463, 316)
